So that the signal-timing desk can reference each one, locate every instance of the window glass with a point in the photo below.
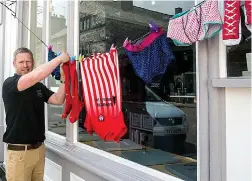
(160, 116)
(239, 54)
(58, 39)
(39, 28)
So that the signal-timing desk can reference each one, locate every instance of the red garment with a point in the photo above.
(231, 19)
(68, 103)
(248, 8)
(77, 105)
(102, 95)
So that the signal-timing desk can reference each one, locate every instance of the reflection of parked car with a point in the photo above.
(157, 116)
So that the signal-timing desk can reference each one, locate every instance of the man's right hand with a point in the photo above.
(64, 57)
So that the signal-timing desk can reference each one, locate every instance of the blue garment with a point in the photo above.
(153, 59)
(56, 72)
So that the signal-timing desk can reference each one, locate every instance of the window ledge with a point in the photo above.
(236, 82)
(107, 168)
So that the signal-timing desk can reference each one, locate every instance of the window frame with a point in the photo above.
(60, 144)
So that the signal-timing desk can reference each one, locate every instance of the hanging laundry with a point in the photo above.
(201, 22)
(51, 56)
(102, 96)
(77, 105)
(151, 56)
(68, 101)
(248, 11)
(231, 33)
(73, 105)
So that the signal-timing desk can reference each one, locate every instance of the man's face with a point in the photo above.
(23, 63)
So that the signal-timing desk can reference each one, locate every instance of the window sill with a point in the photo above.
(232, 82)
(101, 163)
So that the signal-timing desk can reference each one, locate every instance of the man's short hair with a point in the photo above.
(23, 50)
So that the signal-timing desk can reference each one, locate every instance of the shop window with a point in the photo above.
(239, 50)
(161, 116)
(58, 32)
(39, 27)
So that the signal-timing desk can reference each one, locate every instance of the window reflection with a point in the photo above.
(39, 28)
(58, 39)
(161, 116)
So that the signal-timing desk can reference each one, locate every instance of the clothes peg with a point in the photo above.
(72, 59)
(50, 47)
(154, 27)
(126, 41)
(80, 58)
(112, 46)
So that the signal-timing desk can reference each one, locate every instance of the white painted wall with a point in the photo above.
(238, 134)
(74, 177)
(53, 171)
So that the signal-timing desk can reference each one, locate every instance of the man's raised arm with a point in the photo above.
(41, 72)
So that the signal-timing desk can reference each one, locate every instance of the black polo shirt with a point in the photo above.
(25, 117)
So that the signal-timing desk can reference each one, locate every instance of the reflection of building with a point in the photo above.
(111, 22)
(58, 37)
(38, 51)
(105, 23)
(58, 33)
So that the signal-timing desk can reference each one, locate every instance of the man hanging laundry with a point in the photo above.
(103, 101)
(24, 96)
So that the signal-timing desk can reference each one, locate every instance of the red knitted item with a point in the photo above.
(248, 7)
(231, 19)
(68, 102)
(77, 105)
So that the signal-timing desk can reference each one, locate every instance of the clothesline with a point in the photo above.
(14, 15)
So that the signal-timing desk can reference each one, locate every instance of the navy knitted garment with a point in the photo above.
(150, 57)
(52, 55)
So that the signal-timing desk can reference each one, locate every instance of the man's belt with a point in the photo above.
(22, 147)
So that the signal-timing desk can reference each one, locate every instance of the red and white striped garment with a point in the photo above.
(102, 95)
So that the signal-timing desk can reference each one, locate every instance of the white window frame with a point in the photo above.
(75, 151)
(222, 46)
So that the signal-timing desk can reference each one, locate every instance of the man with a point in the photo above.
(24, 96)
